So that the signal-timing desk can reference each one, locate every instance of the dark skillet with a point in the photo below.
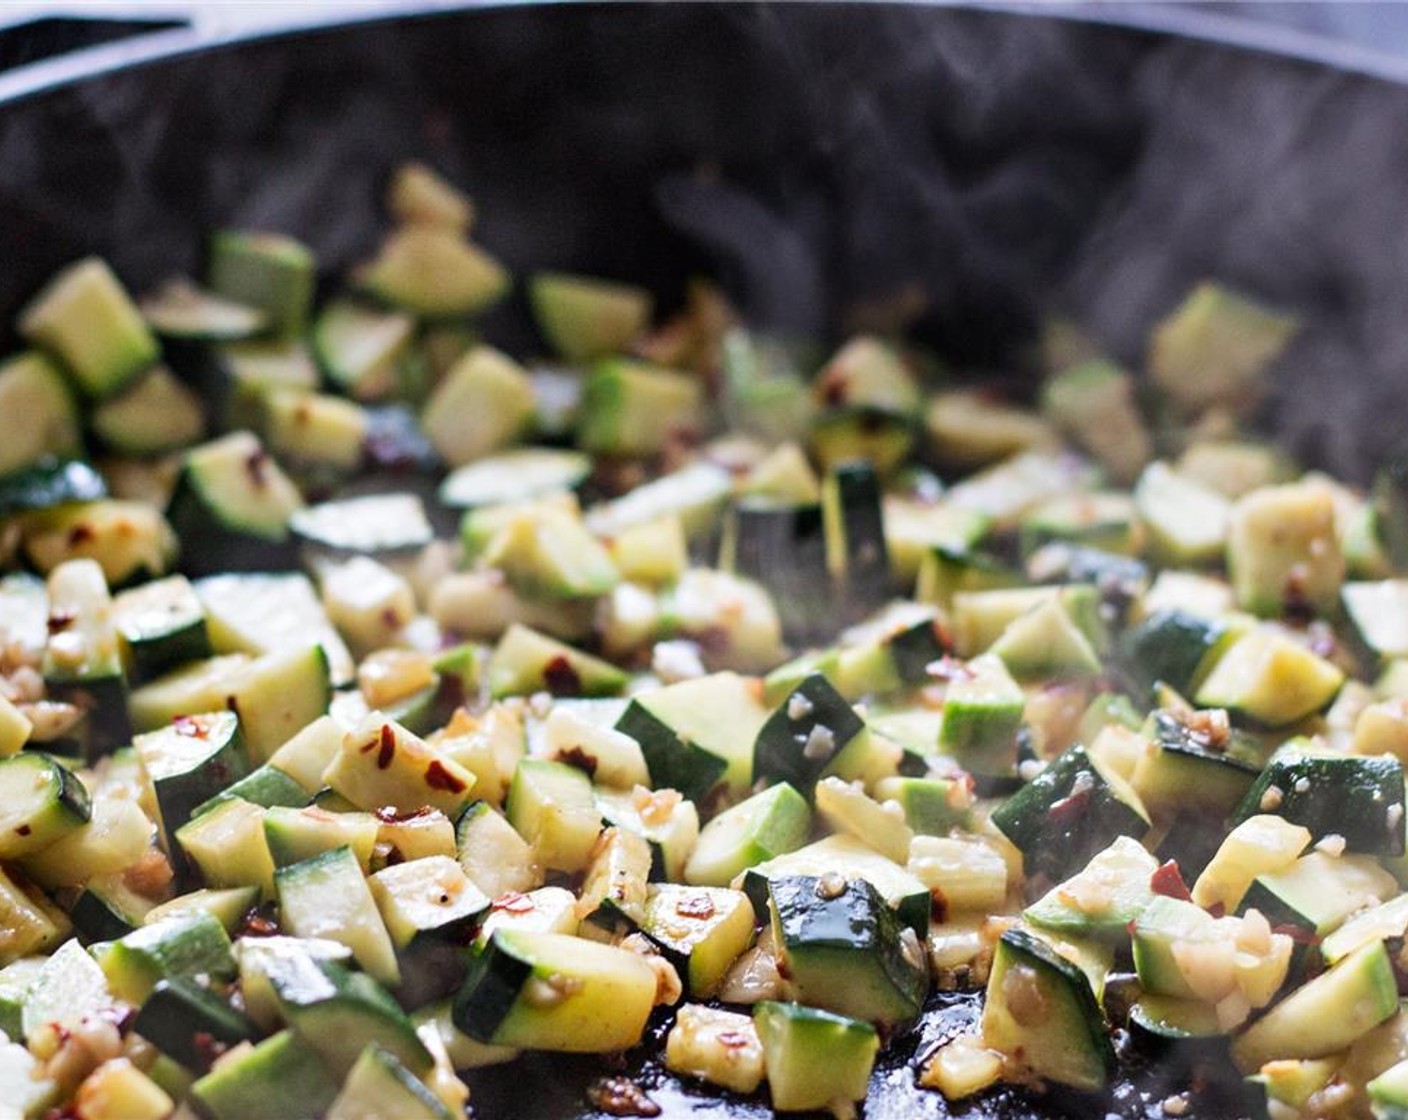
(817, 159)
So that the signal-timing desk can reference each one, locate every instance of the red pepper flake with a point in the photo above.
(258, 922)
(1069, 809)
(833, 389)
(207, 1047)
(733, 1040)
(1297, 934)
(80, 534)
(698, 906)
(513, 902)
(576, 756)
(561, 678)
(1167, 880)
(188, 725)
(388, 747)
(24, 830)
(61, 620)
(437, 777)
(938, 904)
(257, 464)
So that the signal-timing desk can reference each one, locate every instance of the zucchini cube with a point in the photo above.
(844, 949)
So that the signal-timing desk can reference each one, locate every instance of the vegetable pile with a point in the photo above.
(376, 707)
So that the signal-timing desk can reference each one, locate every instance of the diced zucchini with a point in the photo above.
(185, 946)
(157, 414)
(962, 874)
(667, 822)
(1326, 1014)
(129, 540)
(585, 317)
(294, 835)
(850, 859)
(1332, 794)
(853, 521)
(981, 714)
(814, 1059)
(114, 837)
(313, 431)
(190, 762)
(1260, 845)
(41, 802)
(1069, 812)
(629, 408)
(969, 429)
(359, 348)
(69, 987)
(256, 1084)
(697, 733)
(1318, 892)
(270, 272)
(180, 310)
(525, 661)
(418, 195)
(843, 949)
(374, 523)
(85, 317)
(32, 923)
(696, 493)
(1093, 402)
(379, 1085)
(31, 386)
(608, 757)
(551, 806)
(1185, 521)
(1041, 1014)
(262, 613)
(1103, 898)
(701, 930)
(232, 503)
(1213, 349)
(480, 406)
(180, 1011)
(427, 900)
(382, 764)
(1269, 678)
(326, 896)
(1180, 950)
(614, 890)
(519, 474)
(1283, 553)
(547, 991)
(162, 625)
(768, 824)
(434, 273)
(1383, 922)
(493, 854)
(812, 728)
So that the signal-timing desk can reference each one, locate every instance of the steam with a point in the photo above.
(970, 169)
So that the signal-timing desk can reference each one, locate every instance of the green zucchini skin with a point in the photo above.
(1058, 824)
(179, 1011)
(1344, 795)
(843, 949)
(810, 728)
(783, 547)
(855, 535)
